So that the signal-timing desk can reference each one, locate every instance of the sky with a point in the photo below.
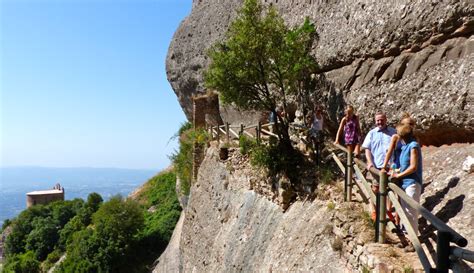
(83, 83)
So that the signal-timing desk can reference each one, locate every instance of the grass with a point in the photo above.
(365, 269)
(392, 253)
(183, 159)
(367, 219)
(331, 205)
(326, 175)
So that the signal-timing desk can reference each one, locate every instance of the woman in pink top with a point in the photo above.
(350, 125)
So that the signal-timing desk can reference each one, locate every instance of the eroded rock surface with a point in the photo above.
(233, 221)
(395, 56)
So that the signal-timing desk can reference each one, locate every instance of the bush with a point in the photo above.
(246, 144)
(23, 263)
(276, 157)
(326, 175)
(159, 223)
(105, 247)
(6, 223)
(52, 258)
(183, 159)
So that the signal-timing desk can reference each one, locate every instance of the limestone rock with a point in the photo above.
(468, 164)
(350, 34)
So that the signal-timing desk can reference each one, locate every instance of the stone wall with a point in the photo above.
(43, 199)
(205, 114)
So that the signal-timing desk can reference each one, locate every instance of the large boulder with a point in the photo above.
(394, 56)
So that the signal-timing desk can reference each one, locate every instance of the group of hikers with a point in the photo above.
(388, 149)
(395, 151)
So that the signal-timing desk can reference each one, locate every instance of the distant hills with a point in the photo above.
(15, 182)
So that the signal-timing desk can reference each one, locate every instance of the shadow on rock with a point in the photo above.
(450, 210)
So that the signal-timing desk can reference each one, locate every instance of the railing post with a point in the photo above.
(382, 213)
(442, 251)
(349, 171)
(227, 131)
(259, 131)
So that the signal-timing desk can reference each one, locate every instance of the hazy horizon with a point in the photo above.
(77, 182)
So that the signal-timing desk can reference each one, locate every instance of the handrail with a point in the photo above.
(437, 223)
(463, 253)
(447, 256)
(411, 233)
(447, 233)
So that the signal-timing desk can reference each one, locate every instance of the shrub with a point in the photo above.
(331, 205)
(183, 159)
(105, 247)
(326, 175)
(246, 144)
(278, 158)
(22, 263)
(52, 258)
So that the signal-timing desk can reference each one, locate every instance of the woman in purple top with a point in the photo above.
(351, 127)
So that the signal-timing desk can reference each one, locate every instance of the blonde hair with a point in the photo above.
(349, 108)
(405, 131)
(408, 120)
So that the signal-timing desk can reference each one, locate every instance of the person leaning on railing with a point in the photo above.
(394, 150)
(376, 144)
(411, 169)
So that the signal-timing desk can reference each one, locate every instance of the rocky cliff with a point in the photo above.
(233, 224)
(395, 56)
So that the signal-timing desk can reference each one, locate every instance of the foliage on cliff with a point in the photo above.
(120, 235)
(183, 158)
(262, 62)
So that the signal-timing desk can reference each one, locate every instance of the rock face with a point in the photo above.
(394, 56)
(231, 224)
(229, 228)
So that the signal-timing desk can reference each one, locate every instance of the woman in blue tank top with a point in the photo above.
(411, 169)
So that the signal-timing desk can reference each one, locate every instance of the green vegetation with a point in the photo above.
(275, 157)
(106, 246)
(365, 269)
(120, 235)
(262, 62)
(246, 144)
(331, 205)
(183, 159)
(326, 175)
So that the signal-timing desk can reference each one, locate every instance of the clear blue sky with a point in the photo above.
(83, 82)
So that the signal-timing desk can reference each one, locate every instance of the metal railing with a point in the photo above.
(447, 256)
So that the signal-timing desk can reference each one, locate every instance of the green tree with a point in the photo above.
(21, 227)
(105, 246)
(262, 62)
(24, 263)
(42, 239)
(94, 200)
